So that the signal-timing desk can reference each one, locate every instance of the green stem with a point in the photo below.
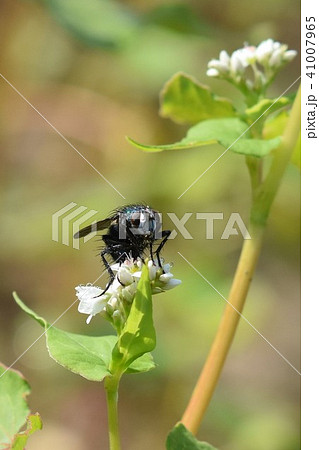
(111, 388)
(267, 191)
(255, 167)
(262, 200)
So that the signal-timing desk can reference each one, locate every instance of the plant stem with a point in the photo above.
(211, 371)
(267, 191)
(111, 389)
(262, 200)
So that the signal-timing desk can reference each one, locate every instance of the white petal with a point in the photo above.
(249, 54)
(124, 276)
(167, 267)
(92, 305)
(236, 63)
(113, 303)
(277, 45)
(129, 292)
(224, 57)
(212, 73)
(212, 62)
(173, 282)
(289, 55)
(152, 269)
(265, 47)
(137, 274)
(87, 291)
(276, 58)
(115, 286)
(115, 267)
(166, 277)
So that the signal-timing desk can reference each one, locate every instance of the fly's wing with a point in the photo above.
(101, 225)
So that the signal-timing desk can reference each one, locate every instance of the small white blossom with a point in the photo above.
(224, 58)
(274, 54)
(124, 276)
(152, 270)
(237, 64)
(265, 49)
(264, 60)
(173, 282)
(242, 58)
(166, 277)
(91, 300)
(289, 55)
(115, 303)
(213, 72)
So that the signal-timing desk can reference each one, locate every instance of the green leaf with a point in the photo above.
(13, 405)
(231, 133)
(265, 107)
(88, 356)
(97, 22)
(142, 364)
(275, 127)
(184, 100)
(182, 439)
(179, 17)
(138, 335)
(34, 424)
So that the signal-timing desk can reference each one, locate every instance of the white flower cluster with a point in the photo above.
(268, 55)
(115, 303)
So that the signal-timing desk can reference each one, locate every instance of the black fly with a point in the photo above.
(130, 231)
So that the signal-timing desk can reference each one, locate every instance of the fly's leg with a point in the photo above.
(165, 236)
(151, 252)
(108, 268)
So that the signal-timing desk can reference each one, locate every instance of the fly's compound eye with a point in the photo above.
(141, 223)
(135, 220)
(152, 224)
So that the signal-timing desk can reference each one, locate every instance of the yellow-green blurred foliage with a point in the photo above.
(95, 95)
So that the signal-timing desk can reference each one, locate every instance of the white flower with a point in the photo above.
(237, 63)
(212, 72)
(91, 300)
(289, 55)
(173, 282)
(224, 58)
(273, 54)
(219, 66)
(265, 49)
(242, 58)
(166, 277)
(234, 64)
(116, 301)
(269, 55)
(152, 270)
(124, 275)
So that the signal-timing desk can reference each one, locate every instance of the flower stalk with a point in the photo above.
(264, 193)
(135, 332)
(111, 386)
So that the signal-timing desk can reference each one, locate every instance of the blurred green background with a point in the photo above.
(94, 69)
